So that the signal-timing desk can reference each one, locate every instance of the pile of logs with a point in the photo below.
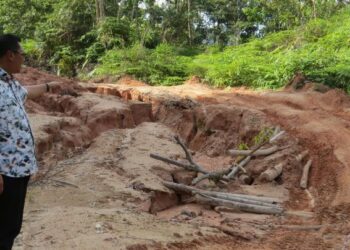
(247, 203)
(239, 202)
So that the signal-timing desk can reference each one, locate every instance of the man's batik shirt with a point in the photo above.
(17, 156)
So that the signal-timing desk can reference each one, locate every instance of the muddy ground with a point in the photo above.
(97, 187)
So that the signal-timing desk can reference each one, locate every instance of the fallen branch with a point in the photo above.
(189, 167)
(188, 154)
(261, 152)
(192, 166)
(228, 196)
(216, 176)
(238, 167)
(305, 175)
(208, 200)
(304, 214)
(64, 183)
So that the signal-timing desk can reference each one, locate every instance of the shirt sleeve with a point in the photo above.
(3, 110)
(22, 91)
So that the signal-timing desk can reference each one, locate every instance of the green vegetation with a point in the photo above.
(263, 136)
(320, 50)
(162, 65)
(258, 44)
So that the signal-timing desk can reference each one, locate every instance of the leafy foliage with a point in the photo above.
(255, 43)
(320, 50)
(159, 66)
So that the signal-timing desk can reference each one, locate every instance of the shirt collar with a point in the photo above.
(5, 76)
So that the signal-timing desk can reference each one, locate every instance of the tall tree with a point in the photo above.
(100, 10)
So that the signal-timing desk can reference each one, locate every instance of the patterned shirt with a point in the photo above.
(17, 156)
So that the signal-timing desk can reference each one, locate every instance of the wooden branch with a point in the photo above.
(229, 196)
(64, 183)
(188, 154)
(276, 136)
(236, 168)
(261, 152)
(305, 175)
(304, 214)
(195, 168)
(211, 175)
(272, 173)
(217, 175)
(205, 199)
(200, 178)
(177, 163)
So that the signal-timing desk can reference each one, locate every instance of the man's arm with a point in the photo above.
(35, 91)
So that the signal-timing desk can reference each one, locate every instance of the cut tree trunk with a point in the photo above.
(272, 173)
(246, 179)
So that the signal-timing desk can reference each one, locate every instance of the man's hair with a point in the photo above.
(9, 42)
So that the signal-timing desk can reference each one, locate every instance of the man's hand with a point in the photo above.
(54, 87)
(1, 184)
(62, 89)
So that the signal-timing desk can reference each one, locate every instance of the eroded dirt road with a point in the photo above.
(98, 188)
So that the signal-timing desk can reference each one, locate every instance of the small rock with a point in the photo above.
(189, 213)
(98, 228)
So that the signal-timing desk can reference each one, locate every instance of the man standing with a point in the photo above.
(17, 156)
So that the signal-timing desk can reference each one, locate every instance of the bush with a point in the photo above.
(159, 66)
(315, 29)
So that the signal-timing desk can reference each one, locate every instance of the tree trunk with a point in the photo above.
(100, 10)
(118, 3)
(314, 8)
(189, 22)
(134, 6)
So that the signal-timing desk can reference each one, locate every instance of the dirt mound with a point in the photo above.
(130, 81)
(32, 76)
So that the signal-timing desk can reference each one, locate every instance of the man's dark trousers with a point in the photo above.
(11, 209)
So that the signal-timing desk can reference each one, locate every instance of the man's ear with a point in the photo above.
(10, 55)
